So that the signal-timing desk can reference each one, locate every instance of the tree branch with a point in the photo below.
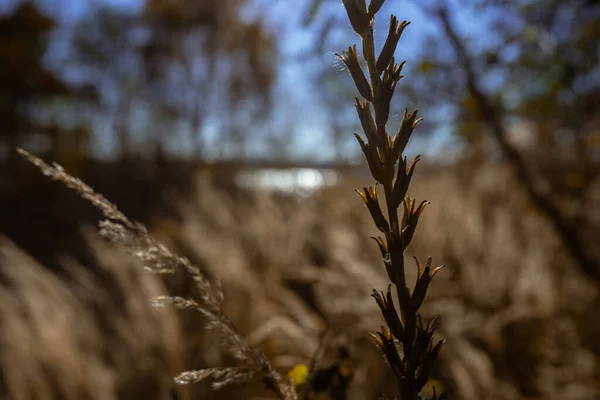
(489, 113)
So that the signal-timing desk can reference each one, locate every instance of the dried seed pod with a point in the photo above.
(357, 14)
(389, 47)
(350, 59)
(369, 196)
(374, 6)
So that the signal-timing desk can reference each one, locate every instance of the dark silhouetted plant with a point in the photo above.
(384, 155)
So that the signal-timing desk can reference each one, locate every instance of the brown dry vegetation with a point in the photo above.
(520, 320)
(82, 333)
(252, 283)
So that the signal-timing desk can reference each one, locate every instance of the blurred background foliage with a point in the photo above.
(136, 97)
(198, 79)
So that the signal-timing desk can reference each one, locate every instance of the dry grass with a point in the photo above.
(158, 259)
(510, 291)
(519, 318)
(83, 334)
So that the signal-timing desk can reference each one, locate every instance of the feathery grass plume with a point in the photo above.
(158, 259)
(413, 365)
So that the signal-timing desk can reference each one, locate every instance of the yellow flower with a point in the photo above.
(299, 374)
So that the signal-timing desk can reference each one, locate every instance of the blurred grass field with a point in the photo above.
(519, 317)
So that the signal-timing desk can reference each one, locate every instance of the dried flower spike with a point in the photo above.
(412, 365)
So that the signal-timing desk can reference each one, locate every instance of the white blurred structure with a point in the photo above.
(290, 180)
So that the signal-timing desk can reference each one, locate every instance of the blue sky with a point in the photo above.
(285, 17)
(313, 121)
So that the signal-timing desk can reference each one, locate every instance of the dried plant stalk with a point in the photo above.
(413, 365)
(157, 258)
